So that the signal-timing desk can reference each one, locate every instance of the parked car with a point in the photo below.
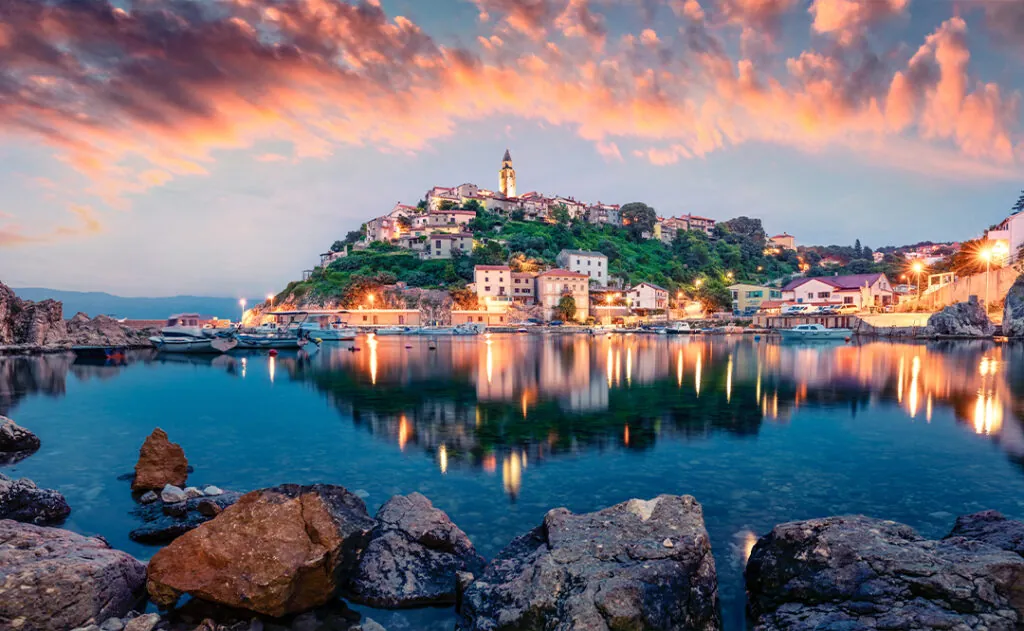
(848, 308)
(794, 309)
(555, 323)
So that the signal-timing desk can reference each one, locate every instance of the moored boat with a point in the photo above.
(396, 330)
(266, 342)
(679, 328)
(815, 332)
(329, 332)
(195, 345)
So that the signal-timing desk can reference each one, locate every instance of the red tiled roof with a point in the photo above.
(495, 268)
(851, 281)
(562, 272)
(782, 236)
(772, 304)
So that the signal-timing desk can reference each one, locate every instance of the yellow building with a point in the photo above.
(747, 298)
(555, 283)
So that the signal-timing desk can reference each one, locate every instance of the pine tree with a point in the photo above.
(856, 249)
(1019, 206)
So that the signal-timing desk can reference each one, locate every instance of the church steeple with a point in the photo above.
(507, 176)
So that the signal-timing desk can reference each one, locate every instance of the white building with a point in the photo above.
(647, 296)
(862, 290)
(555, 283)
(593, 264)
(493, 283)
(443, 245)
(1007, 238)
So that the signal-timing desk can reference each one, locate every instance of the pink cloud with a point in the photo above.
(848, 19)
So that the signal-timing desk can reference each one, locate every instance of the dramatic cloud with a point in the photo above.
(135, 93)
(87, 223)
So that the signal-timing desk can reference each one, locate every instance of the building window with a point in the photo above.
(487, 288)
(364, 318)
(847, 300)
(824, 294)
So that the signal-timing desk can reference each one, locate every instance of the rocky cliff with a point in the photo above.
(28, 325)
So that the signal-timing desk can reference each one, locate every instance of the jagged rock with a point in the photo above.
(146, 622)
(276, 551)
(159, 526)
(1013, 310)
(161, 462)
(171, 494)
(113, 624)
(149, 497)
(209, 507)
(861, 573)
(37, 324)
(964, 319)
(21, 500)
(414, 554)
(53, 580)
(993, 528)
(16, 442)
(103, 331)
(602, 571)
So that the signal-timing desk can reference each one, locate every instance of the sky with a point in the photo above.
(216, 147)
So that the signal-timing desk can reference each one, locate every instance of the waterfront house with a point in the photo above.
(863, 290)
(555, 283)
(647, 296)
(493, 284)
(593, 264)
(747, 298)
(524, 287)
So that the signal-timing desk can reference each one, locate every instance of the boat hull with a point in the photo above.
(194, 345)
(826, 335)
(254, 342)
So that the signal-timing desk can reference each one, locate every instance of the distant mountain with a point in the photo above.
(94, 303)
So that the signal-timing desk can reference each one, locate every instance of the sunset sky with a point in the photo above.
(153, 147)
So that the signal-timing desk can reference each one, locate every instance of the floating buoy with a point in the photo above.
(273, 352)
(408, 345)
(757, 338)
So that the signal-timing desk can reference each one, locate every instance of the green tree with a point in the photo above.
(489, 253)
(1019, 206)
(857, 252)
(566, 308)
(354, 236)
(450, 275)
(517, 215)
(638, 218)
(474, 205)
(405, 222)
(446, 205)
(422, 204)
(560, 213)
(337, 246)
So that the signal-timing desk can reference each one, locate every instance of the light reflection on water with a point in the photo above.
(498, 431)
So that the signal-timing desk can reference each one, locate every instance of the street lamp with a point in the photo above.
(918, 268)
(372, 298)
(986, 255)
(270, 300)
(241, 303)
(729, 275)
(697, 283)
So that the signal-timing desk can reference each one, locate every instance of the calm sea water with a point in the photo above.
(498, 432)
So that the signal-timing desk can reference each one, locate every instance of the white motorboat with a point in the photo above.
(468, 328)
(814, 332)
(194, 345)
(396, 330)
(329, 332)
(266, 342)
(185, 325)
(679, 328)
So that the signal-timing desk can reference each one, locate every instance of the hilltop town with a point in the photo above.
(471, 254)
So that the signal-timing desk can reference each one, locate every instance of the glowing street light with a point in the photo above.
(697, 283)
(917, 268)
(986, 255)
(270, 300)
(729, 275)
(241, 303)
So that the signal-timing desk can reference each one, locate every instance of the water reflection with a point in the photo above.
(500, 402)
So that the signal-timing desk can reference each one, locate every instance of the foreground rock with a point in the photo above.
(993, 528)
(414, 555)
(16, 442)
(161, 462)
(637, 565)
(964, 319)
(276, 551)
(862, 573)
(200, 616)
(21, 500)
(162, 524)
(54, 580)
(1013, 310)
(27, 323)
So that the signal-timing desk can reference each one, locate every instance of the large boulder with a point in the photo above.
(55, 580)
(21, 500)
(36, 324)
(1013, 310)
(993, 528)
(964, 319)
(636, 565)
(861, 573)
(161, 462)
(163, 523)
(16, 442)
(275, 551)
(414, 556)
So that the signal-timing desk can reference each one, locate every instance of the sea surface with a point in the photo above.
(498, 431)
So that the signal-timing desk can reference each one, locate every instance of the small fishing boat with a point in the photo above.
(679, 328)
(396, 330)
(329, 332)
(459, 329)
(193, 345)
(815, 332)
(266, 342)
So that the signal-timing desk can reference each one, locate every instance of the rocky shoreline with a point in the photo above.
(287, 558)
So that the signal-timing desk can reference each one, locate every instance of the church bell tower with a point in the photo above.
(507, 176)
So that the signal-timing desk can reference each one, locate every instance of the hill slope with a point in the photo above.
(96, 303)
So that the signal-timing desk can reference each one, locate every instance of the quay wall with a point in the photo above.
(1000, 280)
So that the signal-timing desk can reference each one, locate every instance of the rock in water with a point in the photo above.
(993, 528)
(964, 319)
(160, 527)
(602, 571)
(54, 580)
(161, 462)
(861, 573)
(276, 551)
(21, 500)
(1013, 310)
(37, 324)
(171, 494)
(414, 554)
(16, 442)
